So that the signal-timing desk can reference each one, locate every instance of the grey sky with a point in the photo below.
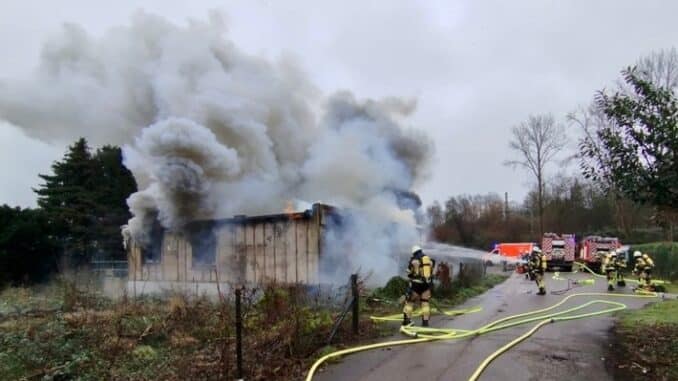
(475, 67)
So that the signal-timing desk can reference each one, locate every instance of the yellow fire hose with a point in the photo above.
(399, 317)
(552, 318)
(423, 334)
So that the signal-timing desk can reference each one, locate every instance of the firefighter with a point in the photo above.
(620, 266)
(610, 269)
(420, 272)
(643, 269)
(525, 257)
(537, 265)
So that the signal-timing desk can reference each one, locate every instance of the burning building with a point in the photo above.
(210, 131)
(280, 248)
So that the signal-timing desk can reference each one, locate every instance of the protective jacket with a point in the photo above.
(620, 263)
(643, 263)
(538, 263)
(609, 263)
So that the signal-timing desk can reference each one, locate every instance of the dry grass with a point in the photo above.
(82, 335)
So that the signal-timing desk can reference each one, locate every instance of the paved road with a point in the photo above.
(572, 350)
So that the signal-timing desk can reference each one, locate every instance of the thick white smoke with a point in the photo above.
(209, 131)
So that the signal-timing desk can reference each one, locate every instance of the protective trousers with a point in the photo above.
(620, 278)
(414, 297)
(539, 278)
(646, 276)
(611, 278)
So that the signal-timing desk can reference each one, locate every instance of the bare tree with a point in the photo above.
(537, 141)
(660, 68)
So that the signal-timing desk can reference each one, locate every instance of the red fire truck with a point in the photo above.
(594, 247)
(559, 250)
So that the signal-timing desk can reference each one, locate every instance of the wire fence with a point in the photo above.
(110, 268)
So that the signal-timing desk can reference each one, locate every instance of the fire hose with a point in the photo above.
(424, 334)
(571, 283)
(435, 309)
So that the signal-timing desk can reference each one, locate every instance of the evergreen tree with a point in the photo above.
(27, 250)
(84, 201)
(114, 183)
(67, 201)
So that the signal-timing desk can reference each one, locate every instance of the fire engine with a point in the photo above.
(559, 250)
(593, 248)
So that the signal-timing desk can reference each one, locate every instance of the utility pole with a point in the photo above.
(531, 220)
(505, 210)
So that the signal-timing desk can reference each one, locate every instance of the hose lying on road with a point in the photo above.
(571, 283)
(423, 334)
(434, 310)
(552, 318)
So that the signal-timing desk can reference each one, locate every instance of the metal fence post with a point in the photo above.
(238, 334)
(356, 302)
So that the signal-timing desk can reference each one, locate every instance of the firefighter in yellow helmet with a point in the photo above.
(610, 269)
(537, 266)
(620, 267)
(420, 272)
(643, 269)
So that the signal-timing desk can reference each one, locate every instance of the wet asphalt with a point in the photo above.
(571, 350)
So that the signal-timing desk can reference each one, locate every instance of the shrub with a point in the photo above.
(394, 288)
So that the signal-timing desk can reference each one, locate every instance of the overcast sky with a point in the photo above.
(475, 67)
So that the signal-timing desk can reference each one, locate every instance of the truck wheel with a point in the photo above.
(568, 268)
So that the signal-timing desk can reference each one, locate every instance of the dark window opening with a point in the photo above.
(152, 251)
(203, 243)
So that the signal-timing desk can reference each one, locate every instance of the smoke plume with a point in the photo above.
(209, 131)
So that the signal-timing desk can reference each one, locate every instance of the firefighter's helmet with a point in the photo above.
(536, 250)
(416, 249)
(637, 254)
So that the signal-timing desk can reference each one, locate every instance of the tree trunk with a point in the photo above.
(540, 201)
(671, 224)
(624, 220)
(668, 218)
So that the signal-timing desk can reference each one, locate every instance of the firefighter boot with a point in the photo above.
(610, 287)
(542, 291)
(621, 283)
(406, 319)
(424, 322)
